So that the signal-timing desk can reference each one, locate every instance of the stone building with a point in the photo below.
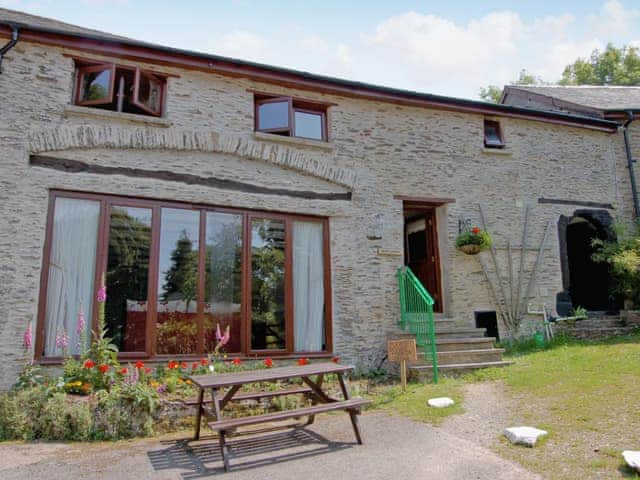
(210, 191)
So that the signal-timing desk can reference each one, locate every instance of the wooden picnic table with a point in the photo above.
(224, 387)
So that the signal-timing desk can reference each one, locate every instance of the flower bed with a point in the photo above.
(97, 398)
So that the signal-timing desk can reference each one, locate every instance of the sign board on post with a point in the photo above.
(402, 351)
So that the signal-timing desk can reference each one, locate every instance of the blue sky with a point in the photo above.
(444, 47)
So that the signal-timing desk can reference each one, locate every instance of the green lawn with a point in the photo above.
(586, 395)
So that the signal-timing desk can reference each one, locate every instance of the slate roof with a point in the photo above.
(594, 96)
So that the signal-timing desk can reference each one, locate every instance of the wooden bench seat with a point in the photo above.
(355, 405)
(256, 395)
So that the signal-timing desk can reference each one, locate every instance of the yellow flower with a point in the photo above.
(224, 356)
(180, 380)
(188, 382)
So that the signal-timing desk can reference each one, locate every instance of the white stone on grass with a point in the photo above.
(524, 435)
(440, 402)
(632, 458)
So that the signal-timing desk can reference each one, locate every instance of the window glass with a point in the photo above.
(71, 277)
(223, 279)
(95, 85)
(150, 93)
(127, 277)
(492, 134)
(273, 115)
(308, 287)
(267, 284)
(177, 328)
(308, 125)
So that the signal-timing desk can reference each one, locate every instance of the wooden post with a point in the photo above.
(403, 375)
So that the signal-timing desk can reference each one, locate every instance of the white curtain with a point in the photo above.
(71, 271)
(308, 287)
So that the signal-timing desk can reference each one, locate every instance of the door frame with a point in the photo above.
(424, 209)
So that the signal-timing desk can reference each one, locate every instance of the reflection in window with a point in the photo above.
(177, 327)
(96, 86)
(149, 92)
(223, 279)
(308, 125)
(127, 277)
(267, 284)
(273, 115)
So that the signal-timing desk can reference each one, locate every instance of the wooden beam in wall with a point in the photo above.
(77, 166)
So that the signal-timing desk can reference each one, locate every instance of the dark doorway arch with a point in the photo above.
(586, 283)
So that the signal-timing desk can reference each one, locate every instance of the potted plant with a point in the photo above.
(473, 241)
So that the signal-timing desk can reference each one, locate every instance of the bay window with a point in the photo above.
(175, 273)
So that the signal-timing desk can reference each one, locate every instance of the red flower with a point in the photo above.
(268, 362)
(335, 359)
(236, 361)
(172, 365)
(183, 365)
(139, 364)
(195, 365)
(103, 368)
(123, 371)
(475, 230)
(89, 364)
(303, 361)
(147, 370)
(204, 361)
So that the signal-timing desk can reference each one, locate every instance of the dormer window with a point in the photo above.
(493, 134)
(120, 88)
(290, 117)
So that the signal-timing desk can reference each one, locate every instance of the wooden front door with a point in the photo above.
(421, 252)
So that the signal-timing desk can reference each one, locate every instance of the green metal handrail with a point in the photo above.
(416, 315)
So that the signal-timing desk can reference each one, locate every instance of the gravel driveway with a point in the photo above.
(395, 447)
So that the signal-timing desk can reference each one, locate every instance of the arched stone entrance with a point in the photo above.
(585, 283)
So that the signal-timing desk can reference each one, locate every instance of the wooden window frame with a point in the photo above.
(295, 105)
(259, 103)
(102, 248)
(135, 100)
(498, 127)
(87, 66)
(82, 71)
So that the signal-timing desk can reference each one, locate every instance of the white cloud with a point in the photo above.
(244, 45)
(614, 21)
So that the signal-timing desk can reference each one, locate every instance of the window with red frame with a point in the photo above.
(290, 117)
(119, 88)
(176, 273)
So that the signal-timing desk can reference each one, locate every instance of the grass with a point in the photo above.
(413, 403)
(587, 395)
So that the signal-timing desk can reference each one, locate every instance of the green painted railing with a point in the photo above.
(416, 315)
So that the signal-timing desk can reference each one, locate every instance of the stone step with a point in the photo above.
(457, 344)
(460, 332)
(426, 370)
(470, 356)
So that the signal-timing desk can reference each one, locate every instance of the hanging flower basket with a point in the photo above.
(470, 249)
(473, 241)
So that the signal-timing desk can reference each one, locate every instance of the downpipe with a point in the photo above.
(630, 161)
(15, 31)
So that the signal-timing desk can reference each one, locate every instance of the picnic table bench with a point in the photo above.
(321, 401)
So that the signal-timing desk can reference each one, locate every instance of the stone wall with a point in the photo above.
(376, 151)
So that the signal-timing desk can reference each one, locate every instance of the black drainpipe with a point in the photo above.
(14, 39)
(630, 161)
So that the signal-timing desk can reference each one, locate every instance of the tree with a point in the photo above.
(492, 93)
(613, 66)
(182, 276)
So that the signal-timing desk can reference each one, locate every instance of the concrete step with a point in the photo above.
(470, 356)
(456, 344)
(460, 332)
(426, 370)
